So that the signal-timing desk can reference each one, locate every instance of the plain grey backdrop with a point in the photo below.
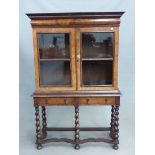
(89, 116)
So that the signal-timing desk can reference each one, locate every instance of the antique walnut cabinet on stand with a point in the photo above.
(76, 63)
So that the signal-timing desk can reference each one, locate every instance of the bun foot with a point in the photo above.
(39, 147)
(115, 147)
(77, 146)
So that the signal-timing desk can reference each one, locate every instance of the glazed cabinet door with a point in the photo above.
(54, 50)
(97, 54)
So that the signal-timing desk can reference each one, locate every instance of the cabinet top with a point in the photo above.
(74, 15)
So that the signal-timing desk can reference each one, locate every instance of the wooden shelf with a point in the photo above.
(56, 59)
(97, 85)
(96, 59)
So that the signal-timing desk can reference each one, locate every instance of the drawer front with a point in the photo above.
(59, 101)
(40, 101)
(81, 101)
(97, 101)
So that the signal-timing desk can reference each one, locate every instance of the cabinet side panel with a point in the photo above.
(115, 69)
(36, 63)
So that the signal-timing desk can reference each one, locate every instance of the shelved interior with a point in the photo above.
(55, 73)
(54, 46)
(97, 73)
(54, 58)
(97, 58)
(97, 45)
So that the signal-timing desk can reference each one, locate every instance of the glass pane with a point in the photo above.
(97, 45)
(97, 72)
(55, 73)
(53, 45)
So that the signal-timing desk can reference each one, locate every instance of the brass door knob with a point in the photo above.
(78, 57)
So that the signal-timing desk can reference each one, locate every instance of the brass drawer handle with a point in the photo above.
(87, 100)
(106, 100)
(46, 101)
(65, 101)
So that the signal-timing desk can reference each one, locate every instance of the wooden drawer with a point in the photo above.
(59, 101)
(77, 100)
(97, 100)
(54, 101)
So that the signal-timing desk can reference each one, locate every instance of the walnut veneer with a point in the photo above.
(76, 63)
